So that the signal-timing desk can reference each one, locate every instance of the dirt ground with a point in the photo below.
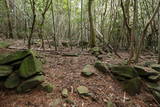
(65, 72)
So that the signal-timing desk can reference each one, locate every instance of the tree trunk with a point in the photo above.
(32, 3)
(10, 30)
(92, 32)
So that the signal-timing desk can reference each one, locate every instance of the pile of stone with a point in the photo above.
(133, 78)
(21, 71)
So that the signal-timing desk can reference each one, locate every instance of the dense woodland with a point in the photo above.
(123, 32)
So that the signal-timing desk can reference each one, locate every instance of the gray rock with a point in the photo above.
(88, 71)
(65, 93)
(82, 90)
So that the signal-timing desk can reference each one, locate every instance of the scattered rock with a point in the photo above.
(5, 70)
(47, 87)
(12, 81)
(132, 86)
(101, 66)
(29, 84)
(82, 90)
(87, 71)
(65, 93)
(29, 67)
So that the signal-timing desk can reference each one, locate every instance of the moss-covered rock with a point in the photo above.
(82, 90)
(125, 71)
(30, 66)
(29, 84)
(145, 71)
(87, 71)
(12, 81)
(13, 57)
(132, 86)
(101, 66)
(5, 70)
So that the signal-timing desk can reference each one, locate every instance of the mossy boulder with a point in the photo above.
(145, 71)
(13, 57)
(29, 84)
(125, 71)
(101, 66)
(30, 66)
(156, 67)
(132, 86)
(12, 81)
(88, 71)
(82, 90)
(5, 70)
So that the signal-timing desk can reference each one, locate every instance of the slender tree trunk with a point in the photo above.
(10, 30)
(53, 29)
(69, 22)
(92, 32)
(159, 39)
(33, 23)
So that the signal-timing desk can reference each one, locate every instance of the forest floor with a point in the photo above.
(65, 72)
